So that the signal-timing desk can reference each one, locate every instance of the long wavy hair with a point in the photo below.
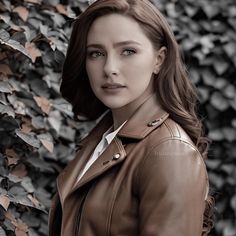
(174, 89)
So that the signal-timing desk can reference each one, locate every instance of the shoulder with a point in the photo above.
(170, 145)
(171, 156)
(169, 132)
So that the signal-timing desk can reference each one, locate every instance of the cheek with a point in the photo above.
(92, 72)
(92, 80)
(140, 66)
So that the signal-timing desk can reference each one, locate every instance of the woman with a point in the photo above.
(141, 170)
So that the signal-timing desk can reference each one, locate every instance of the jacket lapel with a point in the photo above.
(113, 155)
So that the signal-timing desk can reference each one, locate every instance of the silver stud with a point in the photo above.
(116, 156)
(153, 123)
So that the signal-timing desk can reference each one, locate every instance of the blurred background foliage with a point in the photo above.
(38, 132)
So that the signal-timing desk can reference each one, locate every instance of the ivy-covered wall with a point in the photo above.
(38, 134)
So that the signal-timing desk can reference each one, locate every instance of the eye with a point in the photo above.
(94, 54)
(128, 52)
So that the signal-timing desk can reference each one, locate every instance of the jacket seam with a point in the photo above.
(168, 127)
(171, 130)
(178, 130)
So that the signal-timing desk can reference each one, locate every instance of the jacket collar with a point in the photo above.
(145, 119)
(148, 116)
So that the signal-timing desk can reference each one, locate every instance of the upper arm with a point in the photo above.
(172, 186)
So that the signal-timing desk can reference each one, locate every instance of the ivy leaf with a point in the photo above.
(216, 135)
(4, 39)
(219, 102)
(46, 140)
(229, 133)
(28, 138)
(4, 202)
(5, 87)
(5, 69)
(34, 1)
(2, 232)
(33, 51)
(22, 12)
(220, 65)
(211, 10)
(26, 183)
(12, 157)
(4, 109)
(43, 103)
(40, 164)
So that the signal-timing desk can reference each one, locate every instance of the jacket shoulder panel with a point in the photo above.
(176, 130)
(169, 129)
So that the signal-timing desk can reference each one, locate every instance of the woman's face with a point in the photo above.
(120, 61)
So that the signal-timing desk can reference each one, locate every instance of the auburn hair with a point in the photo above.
(175, 91)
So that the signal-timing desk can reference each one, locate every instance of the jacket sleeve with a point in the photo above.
(172, 185)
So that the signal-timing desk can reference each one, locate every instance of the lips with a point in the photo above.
(112, 85)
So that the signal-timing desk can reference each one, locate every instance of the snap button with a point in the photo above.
(116, 156)
(153, 123)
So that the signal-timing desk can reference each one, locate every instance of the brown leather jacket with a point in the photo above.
(150, 181)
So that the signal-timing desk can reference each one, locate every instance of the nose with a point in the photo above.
(111, 66)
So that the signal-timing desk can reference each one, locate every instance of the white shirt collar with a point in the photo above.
(109, 136)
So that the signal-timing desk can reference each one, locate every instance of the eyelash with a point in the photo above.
(128, 49)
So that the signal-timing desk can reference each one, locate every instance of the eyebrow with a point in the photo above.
(96, 45)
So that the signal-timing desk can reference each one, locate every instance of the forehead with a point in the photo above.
(116, 27)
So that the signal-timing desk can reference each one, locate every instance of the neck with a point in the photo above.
(120, 115)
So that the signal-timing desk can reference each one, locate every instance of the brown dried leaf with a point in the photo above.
(5, 69)
(21, 228)
(19, 232)
(47, 144)
(3, 55)
(43, 103)
(33, 51)
(19, 170)
(4, 201)
(61, 9)
(26, 125)
(35, 202)
(22, 12)
(12, 157)
(3, 77)
(10, 216)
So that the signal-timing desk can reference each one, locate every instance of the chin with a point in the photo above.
(114, 101)
(114, 105)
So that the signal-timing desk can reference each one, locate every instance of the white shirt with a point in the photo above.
(107, 138)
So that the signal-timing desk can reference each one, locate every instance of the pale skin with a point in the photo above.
(113, 58)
